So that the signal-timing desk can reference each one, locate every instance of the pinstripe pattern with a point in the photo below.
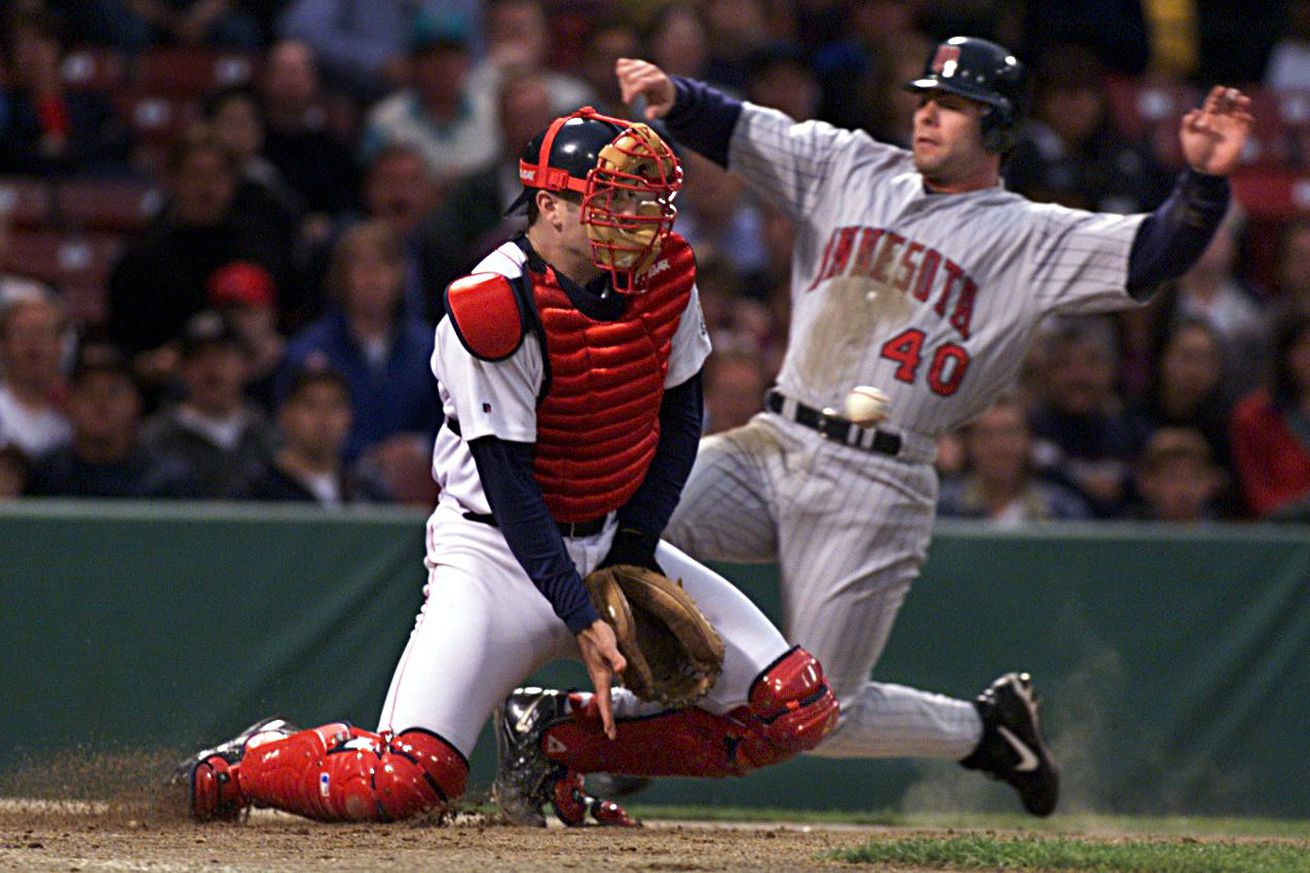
(932, 298)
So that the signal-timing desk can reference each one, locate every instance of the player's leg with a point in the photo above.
(724, 513)
(483, 627)
(770, 703)
(851, 543)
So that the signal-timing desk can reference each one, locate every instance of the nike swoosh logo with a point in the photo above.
(1027, 758)
(525, 719)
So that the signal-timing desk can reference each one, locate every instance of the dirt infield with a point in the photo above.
(63, 839)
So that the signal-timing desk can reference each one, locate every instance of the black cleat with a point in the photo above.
(209, 776)
(525, 777)
(1012, 748)
(526, 780)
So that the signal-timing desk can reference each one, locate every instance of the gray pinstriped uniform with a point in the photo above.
(933, 298)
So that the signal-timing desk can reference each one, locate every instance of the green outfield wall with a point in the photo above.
(1174, 665)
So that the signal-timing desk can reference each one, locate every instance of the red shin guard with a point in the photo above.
(791, 710)
(341, 773)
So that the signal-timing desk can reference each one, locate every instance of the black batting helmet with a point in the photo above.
(983, 71)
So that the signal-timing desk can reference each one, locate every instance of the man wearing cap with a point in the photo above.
(437, 112)
(105, 457)
(212, 430)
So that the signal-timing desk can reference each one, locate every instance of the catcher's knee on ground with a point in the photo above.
(338, 772)
(790, 711)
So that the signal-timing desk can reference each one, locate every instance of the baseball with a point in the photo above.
(866, 406)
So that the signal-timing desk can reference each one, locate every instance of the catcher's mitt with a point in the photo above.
(673, 653)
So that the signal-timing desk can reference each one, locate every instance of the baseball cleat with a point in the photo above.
(526, 780)
(210, 776)
(1012, 748)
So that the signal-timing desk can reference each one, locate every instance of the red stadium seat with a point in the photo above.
(1273, 193)
(95, 205)
(76, 264)
(25, 201)
(190, 72)
(1148, 112)
(94, 69)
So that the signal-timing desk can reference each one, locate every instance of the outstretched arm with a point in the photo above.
(1172, 238)
(697, 115)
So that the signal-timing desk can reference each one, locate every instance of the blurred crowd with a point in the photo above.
(226, 227)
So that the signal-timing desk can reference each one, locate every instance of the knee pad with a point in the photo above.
(793, 707)
(338, 772)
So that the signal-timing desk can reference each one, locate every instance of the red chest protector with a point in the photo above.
(598, 418)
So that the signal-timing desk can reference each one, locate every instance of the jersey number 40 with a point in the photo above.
(949, 361)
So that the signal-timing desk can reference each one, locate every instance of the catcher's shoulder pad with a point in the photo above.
(486, 314)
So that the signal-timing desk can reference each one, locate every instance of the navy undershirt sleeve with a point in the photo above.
(505, 469)
(651, 507)
(702, 118)
(1173, 237)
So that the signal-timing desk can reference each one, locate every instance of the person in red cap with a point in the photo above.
(246, 295)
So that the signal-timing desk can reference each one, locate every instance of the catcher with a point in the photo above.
(569, 364)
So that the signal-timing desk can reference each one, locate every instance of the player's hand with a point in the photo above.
(1213, 136)
(638, 78)
(600, 654)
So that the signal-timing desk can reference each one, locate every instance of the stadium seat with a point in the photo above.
(1273, 193)
(94, 69)
(101, 205)
(192, 72)
(156, 119)
(26, 201)
(1148, 112)
(76, 264)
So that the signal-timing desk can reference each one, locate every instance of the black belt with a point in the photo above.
(569, 529)
(834, 427)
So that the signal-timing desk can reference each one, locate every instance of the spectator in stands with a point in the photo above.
(236, 120)
(1293, 266)
(519, 39)
(1079, 421)
(15, 467)
(736, 30)
(160, 281)
(1177, 478)
(781, 77)
(31, 380)
(998, 482)
(1070, 152)
(220, 437)
(315, 163)
(314, 420)
(1188, 387)
(736, 378)
(715, 212)
(383, 352)
(105, 457)
(1289, 62)
(45, 128)
(138, 24)
(878, 35)
(1211, 291)
(363, 44)
(1116, 33)
(246, 296)
(439, 113)
(677, 41)
(888, 108)
(399, 191)
(607, 40)
(471, 220)
(1271, 428)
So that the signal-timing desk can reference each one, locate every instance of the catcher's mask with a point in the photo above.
(628, 177)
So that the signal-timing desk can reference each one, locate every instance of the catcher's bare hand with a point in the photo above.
(638, 78)
(600, 654)
(1213, 136)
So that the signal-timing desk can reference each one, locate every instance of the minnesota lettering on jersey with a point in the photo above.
(903, 264)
